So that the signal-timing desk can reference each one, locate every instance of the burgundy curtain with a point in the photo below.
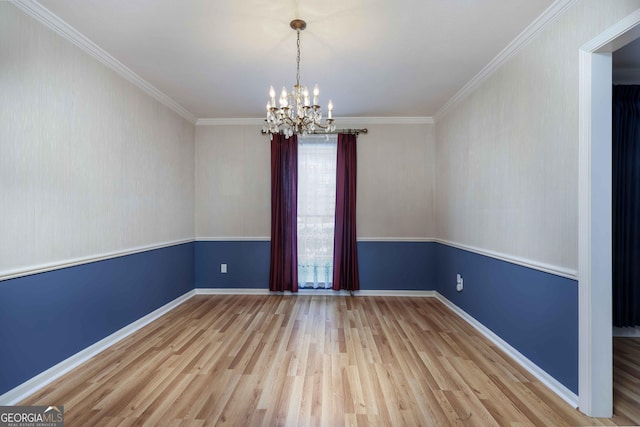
(345, 250)
(283, 274)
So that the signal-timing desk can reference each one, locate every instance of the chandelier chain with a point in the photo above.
(298, 60)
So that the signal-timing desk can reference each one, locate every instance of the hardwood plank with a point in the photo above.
(626, 379)
(316, 360)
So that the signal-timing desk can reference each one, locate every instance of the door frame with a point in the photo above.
(595, 359)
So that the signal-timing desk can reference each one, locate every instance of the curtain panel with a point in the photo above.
(283, 271)
(626, 205)
(345, 249)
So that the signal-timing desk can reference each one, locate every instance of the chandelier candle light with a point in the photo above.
(294, 113)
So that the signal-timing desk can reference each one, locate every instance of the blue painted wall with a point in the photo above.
(46, 318)
(247, 264)
(535, 312)
(397, 265)
(383, 265)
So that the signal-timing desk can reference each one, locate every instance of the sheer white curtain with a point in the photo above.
(316, 209)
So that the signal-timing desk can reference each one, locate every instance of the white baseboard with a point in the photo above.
(563, 392)
(29, 387)
(365, 293)
(231, 291)
(381, 293)
(626, 332)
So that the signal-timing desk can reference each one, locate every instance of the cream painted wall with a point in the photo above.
(395, 182)
(507, 156)
(89, 164)
(233, 182)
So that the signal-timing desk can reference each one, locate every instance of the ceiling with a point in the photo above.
(374, 58)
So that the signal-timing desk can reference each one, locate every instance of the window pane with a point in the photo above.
(316, 210)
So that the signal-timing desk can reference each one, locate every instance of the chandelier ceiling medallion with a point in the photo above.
(294, 113)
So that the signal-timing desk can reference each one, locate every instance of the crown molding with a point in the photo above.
(249, 121)
(46, 17)
(339, 121)
(536, 27)
(418, 120)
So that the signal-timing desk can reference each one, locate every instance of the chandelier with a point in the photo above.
(294, 113)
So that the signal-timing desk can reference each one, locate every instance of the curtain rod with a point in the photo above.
(347, 131)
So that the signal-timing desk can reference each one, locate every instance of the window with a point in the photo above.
(316, 209)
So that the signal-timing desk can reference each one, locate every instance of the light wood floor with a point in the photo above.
(626, 378)
(307, 361)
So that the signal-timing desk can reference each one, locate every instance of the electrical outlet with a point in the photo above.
(223, 268)
(459, 283)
